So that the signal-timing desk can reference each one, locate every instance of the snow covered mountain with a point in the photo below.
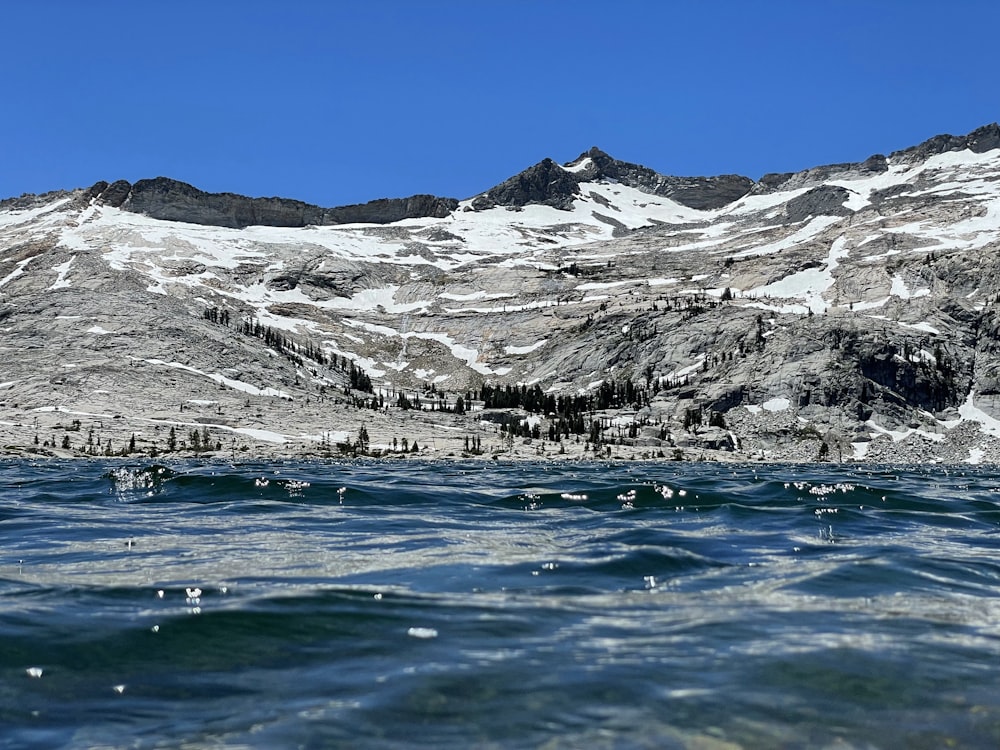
(844, 311)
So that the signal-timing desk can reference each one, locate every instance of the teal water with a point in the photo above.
(369, 605)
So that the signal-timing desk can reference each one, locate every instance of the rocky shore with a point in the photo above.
(268, 429)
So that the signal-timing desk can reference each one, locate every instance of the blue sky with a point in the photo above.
(344, 102)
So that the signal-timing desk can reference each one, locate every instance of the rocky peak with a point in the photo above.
(548, 183)
(545, 183)
(704, 193)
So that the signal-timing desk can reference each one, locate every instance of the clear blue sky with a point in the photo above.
(342, 102)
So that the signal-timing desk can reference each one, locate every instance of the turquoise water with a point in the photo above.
(511, 606)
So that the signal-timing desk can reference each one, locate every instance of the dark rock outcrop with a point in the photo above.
(704, 193)
(545, 183)
(31, 200)
(172, 200)
(772, 182)
(978, 141)
(826, 200)
(550, 184)
(386, 210)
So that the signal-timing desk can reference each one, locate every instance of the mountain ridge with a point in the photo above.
(843, 311)
(546, 183)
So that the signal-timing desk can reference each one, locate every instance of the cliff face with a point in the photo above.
(171, 200)
(851, 306)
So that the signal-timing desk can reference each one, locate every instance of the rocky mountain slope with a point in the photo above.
(594, 308)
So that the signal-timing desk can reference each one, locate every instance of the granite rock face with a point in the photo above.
(847, 311)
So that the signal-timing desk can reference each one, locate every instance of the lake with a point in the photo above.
(498, 605)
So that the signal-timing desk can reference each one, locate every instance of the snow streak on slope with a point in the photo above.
(348, 288)
(808, 285)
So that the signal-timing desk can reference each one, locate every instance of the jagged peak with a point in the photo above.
(544, 183)
(541, 184)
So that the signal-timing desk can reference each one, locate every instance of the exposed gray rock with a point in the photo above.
(172, 200)
(31, 200)
(816, 176)
(825, 200)
(978, 141)
(388, 210)
(545, 183)
(696, 192)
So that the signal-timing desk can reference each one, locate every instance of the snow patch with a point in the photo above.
(63, 269)
(797, 238)
(236, 385)
(922, 326)
(19, 271)
(472, 297)
(810, 284)
(971, 413)
(578, 167)
(899, 289)
(776, 404)
(592, 285)
(264, 435)
(524, 349)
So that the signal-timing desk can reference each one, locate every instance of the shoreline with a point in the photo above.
(273, 429)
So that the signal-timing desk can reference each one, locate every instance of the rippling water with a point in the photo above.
(511, 606)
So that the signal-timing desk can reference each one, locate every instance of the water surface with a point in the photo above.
(498, 605)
